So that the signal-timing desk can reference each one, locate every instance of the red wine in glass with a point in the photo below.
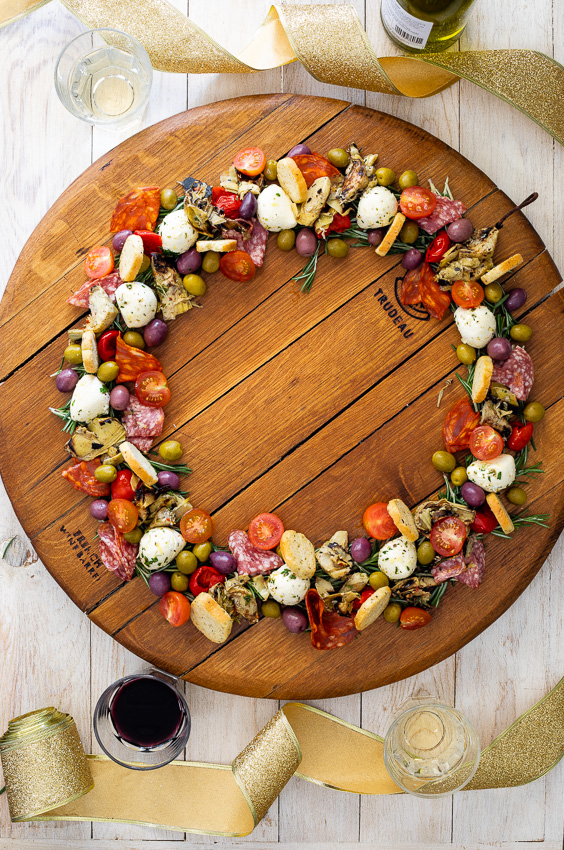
(146, 712)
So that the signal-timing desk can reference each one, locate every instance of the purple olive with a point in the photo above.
(375, 236)
(155, 332)
(169, 480)
(472, 494)
(297, 150)
(223, 562)
(248, 206)
(460, 230)
(99, 508)
(360, 549)
(412, 259)
(294, 619)
(499, 348)
(119, 239)
(119, 397)
(159, 583)
(66, 380)
(306, 243)
(515, 299)
(189, 262)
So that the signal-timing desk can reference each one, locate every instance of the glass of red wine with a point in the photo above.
(142, 721)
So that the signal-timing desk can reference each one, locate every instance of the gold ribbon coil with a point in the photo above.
(48, 776)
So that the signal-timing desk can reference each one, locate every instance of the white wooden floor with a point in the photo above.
(52, 655)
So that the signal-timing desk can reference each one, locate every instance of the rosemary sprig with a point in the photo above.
(437, 594)
(504, 321)
(467, 382)
(451, 494)
(521, 467)
(308, 272)
(520, 521)
(163, 212)
(64, 414)
(179, 468)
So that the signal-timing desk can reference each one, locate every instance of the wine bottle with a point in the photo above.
(425, 26)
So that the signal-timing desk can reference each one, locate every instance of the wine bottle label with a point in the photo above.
(405, 27)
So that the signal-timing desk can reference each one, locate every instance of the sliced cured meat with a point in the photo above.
(132, 361)
(329, 630)
(142, 443)
(109, 284)
(142, 423)
(138, 210)
(459, 423)
(475, 563)
(116, 553)
(250, 560)
(81, 475)
(516, 373)
(444, 213)
(449, 568)
(254, 244)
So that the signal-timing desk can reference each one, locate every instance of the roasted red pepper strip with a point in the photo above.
(151, 241)
(133, 361)
(107, 345)
(460, 421)
(81, 476)
(339, 223)
(439, 246)
(203, 578)
(227, 201)
(484, 521)
(138, 210)
(520, 436)
(329, 630)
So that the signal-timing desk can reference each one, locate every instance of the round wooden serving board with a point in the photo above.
(312, 406)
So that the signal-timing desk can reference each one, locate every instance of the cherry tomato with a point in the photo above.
(250, 161)
(366, 594)
(448, 535)
(107, 345)
(339, 223)
(414, 618)
(99, 262)
(439, 246)
(227, 201)
(203, 578)
(378, 522)
(151, 241)
(313, 165)
(121, 487)
(486, 443)
(237, 265)
(459, 423)
(467, 293)
(175, 608)
(520, 436)
(265, 531)
(196, 526)
(484, 521)
(123, 515)
(417, 202)
(152, 389)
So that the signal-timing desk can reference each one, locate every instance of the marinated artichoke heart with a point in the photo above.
(501, 393)
(333, 556)
(234, 181)
(166, 510)
(243, 598)
(413, 589)
(202, 215)
(261, 587)
(495, 414)
(360, 171)
(471, 259)
(351, 590)
(427, 513)
(96, 439)
(173, 298)
(217, 592)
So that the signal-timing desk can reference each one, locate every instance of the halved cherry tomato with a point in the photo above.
(121, 487)
(378, 522)
(151, 241)
(250, 161)
(520, 436)
(175, 608)
(414, 618)
(203, 578)
(467, 293)
(439, 246)
(265, 531)
(152, 389)
(460, 421)
(417, 202)
(99, 262)
(366, 594)
(237, 265)
(448, 535)
(107, 345)
(486, 443)
(227, 201)
(313, 165)
(339, 223)
(196, 526)
(123, 515)
(484, 521)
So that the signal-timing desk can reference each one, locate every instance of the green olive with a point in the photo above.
(105, 473)
(271, 169)
(517, 496)
(409, 232)
(286, 240)
(534, 411)
(407, 179)
(145, 263)
(271, 608)
(444, 462)
(521, 333)
(73, 353)
(392, 613)
(210, 263)
(378, 579)
(493, 293)
(465, 353)
(133, 536)
(108, 371)
(202, 551)
(194, 284)
(459, 476)
(337, 248)
(385, 176)
(169, 199)
(338, 157)
(170, 450)
(186, 562)
(134, 339)
(425, 553)
(180, 582)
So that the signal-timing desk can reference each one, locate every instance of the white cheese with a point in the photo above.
(397, 558)
(275, 210)
(91, 398)
(159, 547)
(287, 588)
(177, 233)
(376, 208)
(137, 304)
(492, 475)
(476, 325)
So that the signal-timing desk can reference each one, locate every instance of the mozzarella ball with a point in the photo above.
(285, 587)
(376, 208)
(159, 547)
(137, 304)
(177, 233)
(91, 398)
(492, 475)
(397, 558)
(275, 210)
(476, 325)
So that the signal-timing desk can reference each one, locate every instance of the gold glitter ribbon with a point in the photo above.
(48, 777)
(331, 43)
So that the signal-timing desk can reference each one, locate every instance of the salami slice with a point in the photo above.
(116, 553)
(142, 443)
(138, 210)
(516, 373)
(250, 560)
(142, 423)
(449, 568)
(329, 630)
(254, 244)
(444, 213)
(475, 563)
(109, 284)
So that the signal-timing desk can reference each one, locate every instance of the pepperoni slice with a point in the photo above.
(329, 630)
(132, 361)
(81, 476)
(138, 210)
